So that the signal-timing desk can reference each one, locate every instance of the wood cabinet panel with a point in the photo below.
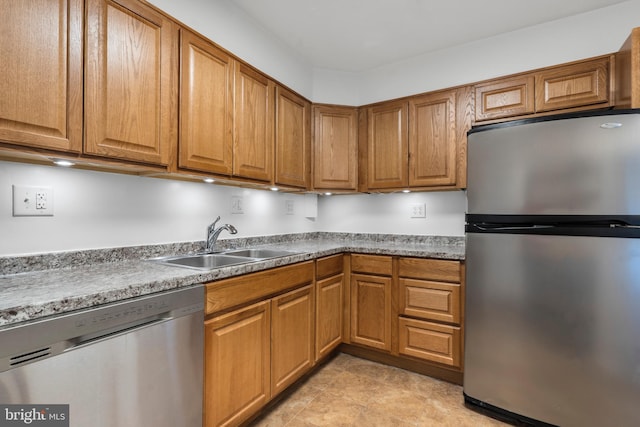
(505, 98)
(228, 293)
(432, 139)
(329, 314)
(371, 311)
(627, 72)
(292, 332)
(335, 148)
(387, 146)
(237, 365)
(41, 68)
(430, 300)
(253, 124)
(430, 269)
(206, 106)
(372, 264)
(575, 85)
(130, 82)
(293, 139)
(430, 341)
(329, 266)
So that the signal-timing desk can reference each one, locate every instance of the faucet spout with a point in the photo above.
(213, 233)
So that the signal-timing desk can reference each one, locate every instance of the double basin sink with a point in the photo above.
(210, 261)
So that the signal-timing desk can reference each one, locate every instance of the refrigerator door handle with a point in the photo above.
(514, 228)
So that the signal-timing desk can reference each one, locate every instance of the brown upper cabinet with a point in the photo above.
(253, 134)
(206, 106)
(628, 72)
(130, 82)
(419, 142)
(387, 145)
(293, 139)
(583, 84)
(41, 67)
(335, 148)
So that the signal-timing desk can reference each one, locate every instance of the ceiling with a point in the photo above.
(359, 35)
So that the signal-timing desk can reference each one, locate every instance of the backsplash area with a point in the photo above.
(93, 210)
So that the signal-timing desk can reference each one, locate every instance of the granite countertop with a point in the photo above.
(32, 287)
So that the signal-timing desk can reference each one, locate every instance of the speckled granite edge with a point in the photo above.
(69, 259)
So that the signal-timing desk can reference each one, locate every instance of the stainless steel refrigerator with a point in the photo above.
(552, 309)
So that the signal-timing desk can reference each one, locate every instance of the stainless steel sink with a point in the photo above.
(203, 261)
(223, 259)
(260, 253)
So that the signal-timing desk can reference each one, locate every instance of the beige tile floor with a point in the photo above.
(349, 391)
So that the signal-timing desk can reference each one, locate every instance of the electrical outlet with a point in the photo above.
(418, 210)
(237, 205)
(32, 201)
(289, 207)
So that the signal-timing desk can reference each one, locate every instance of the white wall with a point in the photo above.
(101, 210)
(390, 213)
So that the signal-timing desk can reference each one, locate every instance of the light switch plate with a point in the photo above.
(32, 201)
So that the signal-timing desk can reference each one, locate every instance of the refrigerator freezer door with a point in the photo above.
(556, 167)
(553, 327)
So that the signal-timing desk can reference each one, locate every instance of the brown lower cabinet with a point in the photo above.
(409, 311)
(264, 331)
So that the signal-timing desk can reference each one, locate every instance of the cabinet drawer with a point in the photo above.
(371, 264)
(505, 98)
(329, 266)
(236, 291)
(584, 83)
(430, 269)
(430, 341)
(430, 300)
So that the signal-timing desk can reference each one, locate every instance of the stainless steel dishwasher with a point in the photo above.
(133, 363)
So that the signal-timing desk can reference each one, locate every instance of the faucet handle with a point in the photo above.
(213, 224)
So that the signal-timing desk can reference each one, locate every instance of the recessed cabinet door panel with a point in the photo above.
(206, 106)
(371, 311)
(574, 85)
(335, 148)
(387, 146)
(432, 140)
(41, 68)
(130, 97)
(430, 341)
(237, 365)
(329, 309)
(292, 329)
(253, 124)
(505, 98)
(293, 137)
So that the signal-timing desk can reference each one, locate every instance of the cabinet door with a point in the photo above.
(432, 139)
(292, 331)
(41, 68)
(293, 138)
(237, 365)
(130, 82)
(505, 98)
(371, 311)
(335, 148)
(206, 106)
(387, 146)
(575, 85)
(329, 309)
(253, 125)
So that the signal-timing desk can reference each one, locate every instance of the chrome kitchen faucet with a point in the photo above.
(213, 233)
